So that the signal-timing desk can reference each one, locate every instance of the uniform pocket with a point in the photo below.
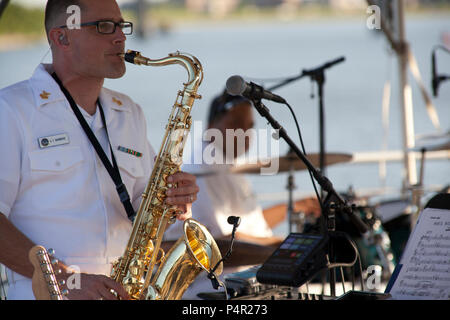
(56, 178)
(55, 160)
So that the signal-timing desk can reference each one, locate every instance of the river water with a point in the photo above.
(352, 92)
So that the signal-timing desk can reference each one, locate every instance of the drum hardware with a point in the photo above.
(374, 246)
(417, 190)
(290, 209)
(395, 216)
(378, 240)
(295, 219)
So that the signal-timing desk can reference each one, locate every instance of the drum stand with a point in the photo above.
(295, 218)
(417, 191)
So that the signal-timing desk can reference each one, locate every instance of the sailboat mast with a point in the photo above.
(406, 105)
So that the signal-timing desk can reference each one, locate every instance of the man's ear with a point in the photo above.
(58, 37)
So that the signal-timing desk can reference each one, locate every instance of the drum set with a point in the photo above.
(390, 221)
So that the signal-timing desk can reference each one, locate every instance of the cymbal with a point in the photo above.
(433, 142)
(433, 147)
(286, 163)
(433, 136)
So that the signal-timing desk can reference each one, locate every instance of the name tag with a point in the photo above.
(52, 141)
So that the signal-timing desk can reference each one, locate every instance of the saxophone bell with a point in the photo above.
(194, 252)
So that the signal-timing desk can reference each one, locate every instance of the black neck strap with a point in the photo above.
(112, 169)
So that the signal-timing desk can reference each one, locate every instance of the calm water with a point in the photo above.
(353, 89)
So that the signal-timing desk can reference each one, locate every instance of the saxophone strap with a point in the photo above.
(112, 169)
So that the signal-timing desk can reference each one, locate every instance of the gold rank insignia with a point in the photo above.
(117, 101)
(44, 94)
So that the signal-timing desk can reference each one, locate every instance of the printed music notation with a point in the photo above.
(425, 264)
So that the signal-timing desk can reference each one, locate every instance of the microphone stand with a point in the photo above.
(333, 202)
(437, 78)
(318, 75)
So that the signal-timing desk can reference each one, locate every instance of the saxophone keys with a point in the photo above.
(128, 281)
(195, 95)
(161, 193)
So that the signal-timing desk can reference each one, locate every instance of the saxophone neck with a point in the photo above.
(189, 62)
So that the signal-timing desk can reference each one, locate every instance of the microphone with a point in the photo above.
(435, 78)
(236, 221)
(236, 86)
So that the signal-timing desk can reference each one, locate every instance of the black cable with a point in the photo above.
(303, 149)
(215, 281)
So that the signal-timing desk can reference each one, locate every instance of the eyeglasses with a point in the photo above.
(106, 26)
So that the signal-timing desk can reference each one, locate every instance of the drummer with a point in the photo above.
(223, 194)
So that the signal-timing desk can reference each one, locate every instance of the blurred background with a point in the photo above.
(267, 41)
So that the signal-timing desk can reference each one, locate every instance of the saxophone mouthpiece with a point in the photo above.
(133, 57)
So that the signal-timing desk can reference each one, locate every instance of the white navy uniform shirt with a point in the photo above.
(53, 186)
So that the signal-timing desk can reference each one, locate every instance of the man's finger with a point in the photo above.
(117, 287)
(180, 200)
(182, 191)
(105, 294)
(182, 178)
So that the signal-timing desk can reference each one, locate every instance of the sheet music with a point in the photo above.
(425, 264)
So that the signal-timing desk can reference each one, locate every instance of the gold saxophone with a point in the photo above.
(196, 250)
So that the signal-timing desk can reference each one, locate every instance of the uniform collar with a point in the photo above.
(113, 100)
(46, 91)
(112, 104)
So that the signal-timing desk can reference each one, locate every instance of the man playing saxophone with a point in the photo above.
(54, 189)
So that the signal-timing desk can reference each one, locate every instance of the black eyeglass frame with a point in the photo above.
(96, 23)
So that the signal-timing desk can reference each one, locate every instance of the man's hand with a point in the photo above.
(309, 206)
(91, 286)
(182, 193)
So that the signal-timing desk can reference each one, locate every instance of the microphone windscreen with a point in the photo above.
(235, 85)
(234, 220)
